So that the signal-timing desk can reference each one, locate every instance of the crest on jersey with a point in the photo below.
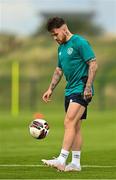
(69, 51)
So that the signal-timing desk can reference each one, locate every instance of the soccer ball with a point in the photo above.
(39, 128)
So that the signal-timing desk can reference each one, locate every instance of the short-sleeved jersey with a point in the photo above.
(72, 59)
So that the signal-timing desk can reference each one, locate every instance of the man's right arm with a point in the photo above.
(55, 80)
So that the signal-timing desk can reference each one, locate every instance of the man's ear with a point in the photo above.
(64, 28)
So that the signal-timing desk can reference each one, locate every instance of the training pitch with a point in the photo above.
(20, 154)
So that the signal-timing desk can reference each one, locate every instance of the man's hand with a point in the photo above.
(55, 80)
(47, 95)
(87, 92)
(91, 75)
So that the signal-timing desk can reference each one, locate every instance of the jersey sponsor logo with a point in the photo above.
(69, 51)
(59, 53)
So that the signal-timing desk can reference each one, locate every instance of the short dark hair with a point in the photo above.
(55, 22)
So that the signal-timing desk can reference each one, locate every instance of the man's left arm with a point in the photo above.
(91, 76)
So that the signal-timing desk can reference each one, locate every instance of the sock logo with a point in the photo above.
(64, 155)
(76, 156)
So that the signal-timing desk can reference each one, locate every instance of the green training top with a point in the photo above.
(72, 59)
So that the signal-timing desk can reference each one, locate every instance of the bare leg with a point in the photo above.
(73, 115)
(77, 143)
(72, 118)
(76, 150)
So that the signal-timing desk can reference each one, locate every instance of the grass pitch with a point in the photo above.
(20, 154)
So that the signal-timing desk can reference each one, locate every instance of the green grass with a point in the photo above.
(18, 147)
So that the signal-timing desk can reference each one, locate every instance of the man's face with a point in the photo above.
(59, 35)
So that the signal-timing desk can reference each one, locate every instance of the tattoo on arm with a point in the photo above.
(56, 78)
(91, 73)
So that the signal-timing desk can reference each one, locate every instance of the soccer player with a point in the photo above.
(77, 61)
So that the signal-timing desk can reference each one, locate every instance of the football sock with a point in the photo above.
(76, 157)
(63, 156)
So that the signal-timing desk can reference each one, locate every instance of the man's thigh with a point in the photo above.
(77, 98)
(75, 111)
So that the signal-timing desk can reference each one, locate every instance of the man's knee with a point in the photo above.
(78, 126)
(69, 121)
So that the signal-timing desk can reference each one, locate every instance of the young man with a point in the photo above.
(77, 61)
